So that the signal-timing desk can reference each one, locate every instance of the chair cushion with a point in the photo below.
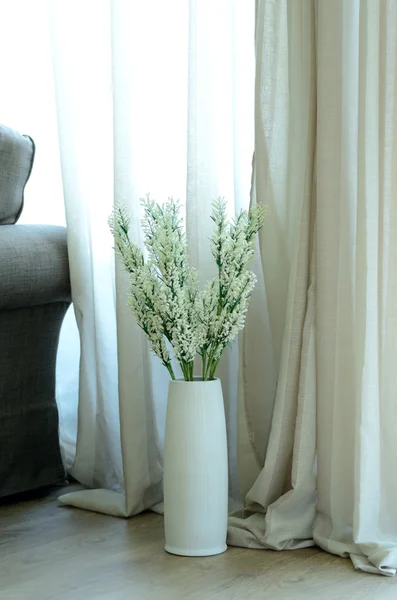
(16, 161)
(34, 267)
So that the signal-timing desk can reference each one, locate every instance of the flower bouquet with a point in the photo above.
(164, 294)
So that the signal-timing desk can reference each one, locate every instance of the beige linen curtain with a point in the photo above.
(321, 342)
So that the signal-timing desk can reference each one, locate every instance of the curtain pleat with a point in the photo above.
(325, 116)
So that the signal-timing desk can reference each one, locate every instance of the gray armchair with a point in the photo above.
(34, 297)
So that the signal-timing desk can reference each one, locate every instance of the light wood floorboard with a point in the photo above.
(49, 552)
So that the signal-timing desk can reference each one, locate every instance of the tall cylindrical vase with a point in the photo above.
(195, 469)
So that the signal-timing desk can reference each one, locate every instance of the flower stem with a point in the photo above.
(170, 370)
(187, 370)
(214, 368)
(210, 368)
(204, 363)
(183, 367)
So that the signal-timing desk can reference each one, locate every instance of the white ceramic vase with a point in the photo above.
(195, 469)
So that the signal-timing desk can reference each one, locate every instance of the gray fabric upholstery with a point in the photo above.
(16, 161)
(34, 265)
(29, 445)
(34, 296)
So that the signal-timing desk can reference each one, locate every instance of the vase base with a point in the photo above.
(194, 552)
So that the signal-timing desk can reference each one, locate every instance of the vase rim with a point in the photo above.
(195, 380)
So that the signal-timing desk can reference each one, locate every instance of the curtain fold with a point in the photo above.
(326, 88)
(356, 230)
(284, 490)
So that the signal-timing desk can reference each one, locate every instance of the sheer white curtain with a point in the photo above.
(151, 97)
(326, 158)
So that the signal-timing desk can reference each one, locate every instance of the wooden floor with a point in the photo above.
(59, 553)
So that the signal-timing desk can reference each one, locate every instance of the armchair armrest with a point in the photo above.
(34, 267)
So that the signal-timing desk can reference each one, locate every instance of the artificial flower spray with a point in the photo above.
(164, 294)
